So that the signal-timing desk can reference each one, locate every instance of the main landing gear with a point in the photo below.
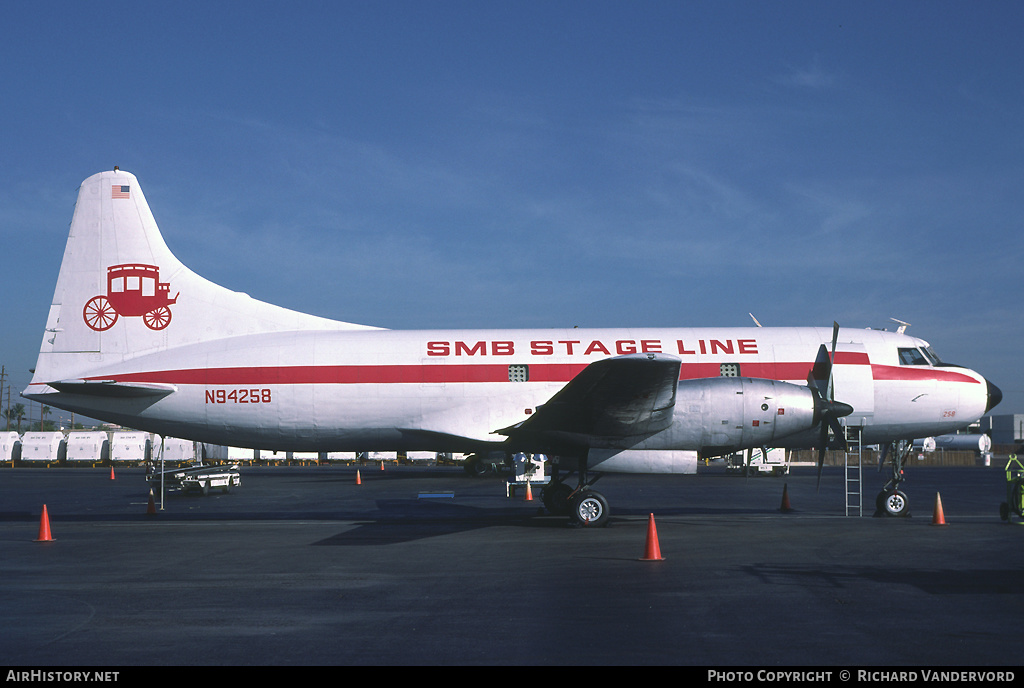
(892, 501)
(585, 507)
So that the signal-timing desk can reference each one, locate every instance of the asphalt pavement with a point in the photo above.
(302, 566)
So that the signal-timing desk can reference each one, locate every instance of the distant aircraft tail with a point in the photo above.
(121, 293)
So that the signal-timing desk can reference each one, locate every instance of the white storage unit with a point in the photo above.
(341, 456)
(219, 452)
(268, 455)
(87, 446)
(10, 446)
(421, 456)
(43, 447)
(129, 447)
(175, 450)
(381, 456)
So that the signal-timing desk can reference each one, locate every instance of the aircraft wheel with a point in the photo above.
(895, 503)
(556, 499)
(476, 468)
(590, 509)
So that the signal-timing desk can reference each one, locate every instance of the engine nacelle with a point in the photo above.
(722, 415)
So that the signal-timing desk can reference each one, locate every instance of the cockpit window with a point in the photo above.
(932, 356)
(912, 357)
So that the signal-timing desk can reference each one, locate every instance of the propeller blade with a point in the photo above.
(832, 360)
(822, 447)
(827, 411)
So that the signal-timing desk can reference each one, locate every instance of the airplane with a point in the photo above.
(214, 365)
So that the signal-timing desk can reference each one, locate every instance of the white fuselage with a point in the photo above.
(450, 390)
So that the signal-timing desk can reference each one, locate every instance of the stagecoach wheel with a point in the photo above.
(590, 509)
(157, 319)
(99, 314)
(896, 503)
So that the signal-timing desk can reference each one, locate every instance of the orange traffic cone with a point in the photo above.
(111, 472)
(652, 551)
(785, 507)
(938, 518)
(529, 492)
(44, 527)
(151, 507)
(382, 464)
(359, 480)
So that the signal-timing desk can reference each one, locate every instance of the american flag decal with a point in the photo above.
(119, 191)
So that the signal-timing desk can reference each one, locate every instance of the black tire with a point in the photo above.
(556, 498)
(476, 468)
(590, 509)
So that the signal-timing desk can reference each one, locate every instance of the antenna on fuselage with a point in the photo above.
(755, 320)
(903, 325)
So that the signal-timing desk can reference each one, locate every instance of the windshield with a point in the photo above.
(932, 356)
(912, 357)
(923, 356)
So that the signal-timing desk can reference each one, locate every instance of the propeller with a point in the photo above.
(827, 411)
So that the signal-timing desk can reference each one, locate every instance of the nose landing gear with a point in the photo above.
(892, 501)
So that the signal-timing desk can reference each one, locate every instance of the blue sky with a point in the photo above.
(533, 164)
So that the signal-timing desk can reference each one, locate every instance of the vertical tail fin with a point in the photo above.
(122, 293)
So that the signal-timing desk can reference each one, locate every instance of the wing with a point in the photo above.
(610, 401)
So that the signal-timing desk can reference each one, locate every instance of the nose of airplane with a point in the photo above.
(995, 395)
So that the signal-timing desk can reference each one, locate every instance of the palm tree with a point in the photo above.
(17, 412)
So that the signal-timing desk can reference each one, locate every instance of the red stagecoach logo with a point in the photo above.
(133, 289)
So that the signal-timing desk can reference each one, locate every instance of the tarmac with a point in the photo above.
(302, 566)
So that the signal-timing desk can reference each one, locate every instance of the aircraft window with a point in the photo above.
(729, 370)
(932, 356)
(912, 357)
(518, 373)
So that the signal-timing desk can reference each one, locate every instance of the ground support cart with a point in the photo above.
(528, 470)
(199, 479)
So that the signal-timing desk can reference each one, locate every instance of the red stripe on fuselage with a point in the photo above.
(489, 372)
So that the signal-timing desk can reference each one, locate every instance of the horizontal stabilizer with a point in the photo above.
(114, 388)
(612, 399)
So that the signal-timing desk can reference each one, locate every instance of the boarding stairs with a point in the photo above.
(853, 469)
